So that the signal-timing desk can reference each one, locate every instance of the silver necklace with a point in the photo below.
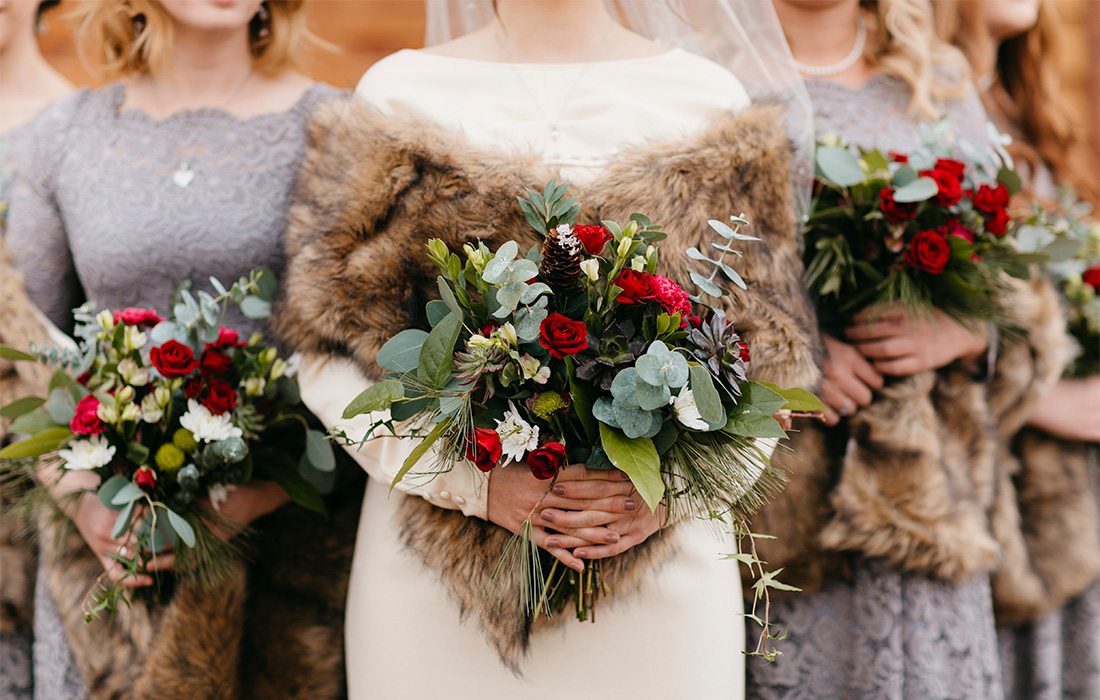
(184, 174)
(845, 63)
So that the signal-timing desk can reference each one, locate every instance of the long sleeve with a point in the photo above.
(36, 231)
(329, 384)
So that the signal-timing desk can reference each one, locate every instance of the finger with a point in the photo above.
(592, 489)
(593, 535)
(898, 346)
(613, 504)
(603, 551)
(858, 393)
(562, 520)
(900, 367)
(881, 312)
(867, 373)
(830, 417)
(579, 472)
(873, 331)
(161, 562)
(118, 573)
(557, 540)
(565, 556)
(834, 398)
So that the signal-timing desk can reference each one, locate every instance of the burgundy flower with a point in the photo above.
(86, 419)
(896, 213)
(949, 189)
(137, 317)
(485, 450)
(954, 227)
(173, 359)
(227, 338)
(546, 460)
(954, 167)
(899, 157)
(743, 351)
(672, 297)
(990, 200)
(562, 335)
(219, 397)
(1091, 277)
(145, 478)
(594, 238)
(192, 388)
(997, 224)
(929, 251)
(638, 287)
(214, 363)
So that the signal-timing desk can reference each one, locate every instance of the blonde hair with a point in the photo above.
(123, 37)
(902, 42)
(1027, 92)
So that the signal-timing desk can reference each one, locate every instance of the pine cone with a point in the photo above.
(561, 260)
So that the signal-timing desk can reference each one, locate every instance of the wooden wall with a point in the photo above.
(362, 31)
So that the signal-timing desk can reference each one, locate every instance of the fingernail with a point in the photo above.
(559, 490)
(611, 538)
(579, 554)
(548, 516)
(579, 567)
(631, 504)
(553, 542)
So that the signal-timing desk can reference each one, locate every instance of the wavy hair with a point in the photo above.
(902, 42)
(112, 40)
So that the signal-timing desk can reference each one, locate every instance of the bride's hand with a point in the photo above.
(628, 519)
(515, 495)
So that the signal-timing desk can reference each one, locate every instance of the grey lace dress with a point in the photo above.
(884, 634)
(102, 213)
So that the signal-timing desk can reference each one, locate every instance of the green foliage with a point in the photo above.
(638, 459)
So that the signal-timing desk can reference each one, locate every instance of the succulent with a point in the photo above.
(719, 346)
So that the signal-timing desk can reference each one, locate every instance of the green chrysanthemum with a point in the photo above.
(184, 439)
(169, 458)
(548, 403)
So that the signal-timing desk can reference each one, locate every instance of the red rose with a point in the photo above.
(173, 359)
(227, 338)
(562, 335)
(485, 450)
(86, 419)
(948, 185)
(895, 213)
(83, 378)
(672, 297)
(695, 321)
(594, 238)
(954, 227)
(743, 350)
(952, 166)
(546, 460)
(899, 157)
(488, 328)
(1091, 277)
(929, 251)
(145, 478)
(220, 396)
(137, 317)
(214, 363)
(990, 200)
(192, 388)
(637, 287)
(997, 224)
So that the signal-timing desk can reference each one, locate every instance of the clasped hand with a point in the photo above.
(587, 514)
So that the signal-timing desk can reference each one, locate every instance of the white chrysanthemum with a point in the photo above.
(93, 453)
(685, 410)
(219, 494)
(207, 427)
(517, 436)
(533, 369)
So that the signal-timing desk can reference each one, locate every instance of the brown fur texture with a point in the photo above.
(19, 328)
(273, 629)
(914, 478)
(374, 189)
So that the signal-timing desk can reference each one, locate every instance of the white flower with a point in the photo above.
(533, 369)
(108, 412)
(207, 427)
(685, 410)
(163, 395)
(517, 436)
(106, 319)
(219, 494)
(507, 333)
(625, 246)
(637, 263)
(131, 373)
(479, 341)
(131, 412)
(254, 386)
(591, 269)
(133, 338)
(278, 369)
(151, 410)
(93, 453)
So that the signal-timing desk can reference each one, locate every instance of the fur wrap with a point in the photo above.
(373, 189)
(914, 479)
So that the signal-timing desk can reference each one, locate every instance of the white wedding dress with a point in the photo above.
(682, 634)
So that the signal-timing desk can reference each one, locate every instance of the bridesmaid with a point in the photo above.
(27, 84)
(181, 169)
(886, 530)
(1046, 592)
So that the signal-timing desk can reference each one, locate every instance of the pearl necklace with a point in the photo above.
(845, 63)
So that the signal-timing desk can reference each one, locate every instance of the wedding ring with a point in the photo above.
(123, 550)
(846, 409)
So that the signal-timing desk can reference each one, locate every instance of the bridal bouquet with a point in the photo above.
(1070, 239)
(171, 414)
(579, 352)
(920, 228)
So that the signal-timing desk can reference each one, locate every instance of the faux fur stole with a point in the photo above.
(373, 189)
(914, 478)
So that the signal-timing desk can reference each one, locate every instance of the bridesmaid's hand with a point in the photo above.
(244, 504)
(515, 495)
(94, 521)
(850, 380)
(1070, 410)
(900, 344)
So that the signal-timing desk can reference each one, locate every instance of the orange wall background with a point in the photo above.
(362, 31)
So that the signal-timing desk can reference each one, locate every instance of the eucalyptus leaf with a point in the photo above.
(136, 453)
(122, 522)
(377, 397)
(33, 423)
(21, 407)
(181, 526)
(437, 354)
(706, 285)
(652, 398)
(128, 493)
(163, 535)
(706, 396)
(603, 412)
(496, 269)
(255, 308)
(447, 296)
(61, 406)
(839, 166)
(401, 353)
(919, 190)
(638, 459)
(436, 311)
(109, 488)
(319, 451)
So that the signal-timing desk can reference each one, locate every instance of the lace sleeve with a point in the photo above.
(36, 230)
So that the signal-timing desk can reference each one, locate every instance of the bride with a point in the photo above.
(626, 107)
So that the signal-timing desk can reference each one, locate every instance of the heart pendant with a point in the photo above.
(183, 176)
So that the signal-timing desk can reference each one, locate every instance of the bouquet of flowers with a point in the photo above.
(920, 228)
(579, 352)
(171, 414)
(1070, 238)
